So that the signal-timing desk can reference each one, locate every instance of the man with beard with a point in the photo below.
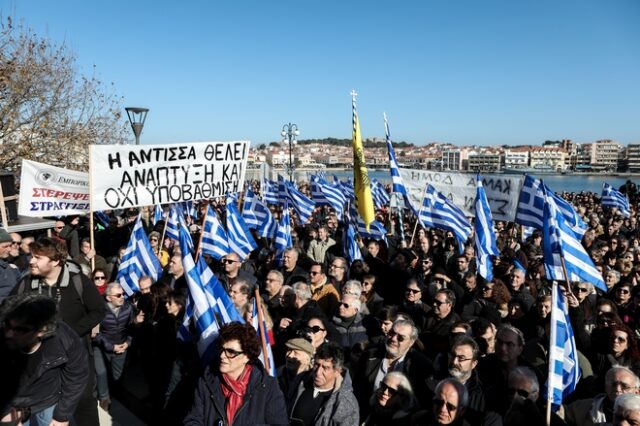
(397, 354)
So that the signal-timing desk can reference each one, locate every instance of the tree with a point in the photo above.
(48, 111)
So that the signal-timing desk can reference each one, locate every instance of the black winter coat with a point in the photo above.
(263, 402)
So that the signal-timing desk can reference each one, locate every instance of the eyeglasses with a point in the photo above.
(460, 358)
(314, 273)
(99, 278)
(439, 302)
(400, 337)
(487, 288)
(523, 393)
(228, 261)
(345, 305)
(153, 239)
(389, 389)
(230, 353)
(623, 386)
(413, 291)
(441, 402)
(116, 295)
(16, 242)
(581, 289)
(314, 329)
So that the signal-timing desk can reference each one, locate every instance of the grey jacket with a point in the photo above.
(341, 409)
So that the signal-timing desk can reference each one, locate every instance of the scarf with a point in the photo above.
(234, 390)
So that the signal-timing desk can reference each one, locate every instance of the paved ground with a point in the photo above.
(119, 415)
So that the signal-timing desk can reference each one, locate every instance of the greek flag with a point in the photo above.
(615, 199)
(248, 213)
(267, 227)
(158, 214)
(214, 238)
(301, 203)
(396, 178)
(559, 243)
(345, 187)
(437, 211)
(376, 231)
(238, 235)
(255, 321)
(531, 202)
(323, 193)
(564, 371)
(485, 237)
(175, 222)
(269, 192)
(202, 309)
(379, 193)
(351, 249)
(138, 260)
(283, 235)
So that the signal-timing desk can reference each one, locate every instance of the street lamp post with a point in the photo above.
(289, 133)
(137, 117)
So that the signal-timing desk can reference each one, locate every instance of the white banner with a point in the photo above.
(141, 175)
(502, 190)
(52, 191)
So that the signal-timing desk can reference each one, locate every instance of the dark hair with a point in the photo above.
(48, 247)
(95, 271)
(321, 265)
(388, 313)
(245, 334)
(632, 344)
(468, 341)
(31, 309)
(178, 298)
(331, 351)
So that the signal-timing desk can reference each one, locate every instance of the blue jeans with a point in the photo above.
(41, 418)
(102, 361)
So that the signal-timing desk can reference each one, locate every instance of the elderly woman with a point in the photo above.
(393, 403)
(236, 390)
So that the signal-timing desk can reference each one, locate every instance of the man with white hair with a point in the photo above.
(599, 409)
(348, 322)
(626, 411)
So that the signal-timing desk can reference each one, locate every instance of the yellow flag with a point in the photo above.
(360, 174)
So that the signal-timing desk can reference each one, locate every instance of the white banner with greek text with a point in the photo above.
(140, 175)
(502, 191)
(52, 191)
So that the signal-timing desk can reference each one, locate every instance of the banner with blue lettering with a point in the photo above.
(52, 191)
(141, 175)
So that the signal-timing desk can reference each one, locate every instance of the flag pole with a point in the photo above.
(164, 232)
(415, 227)
(204, 220)
(91, 236)
(262, 331)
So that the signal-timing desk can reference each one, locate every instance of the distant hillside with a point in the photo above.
(368, 143)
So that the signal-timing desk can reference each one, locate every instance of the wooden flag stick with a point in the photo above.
(91, 235)
(263, 332)
(415, 227)
(204, 220)
(164, 232)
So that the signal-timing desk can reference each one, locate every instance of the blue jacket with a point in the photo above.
(115, 330)
(263, 402)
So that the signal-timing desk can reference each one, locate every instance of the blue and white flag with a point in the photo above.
(376, 231)
(256, 325)
(615, 199)
(175, 222)
(269, 191)
(158, 214)
(248, 213)
(204, 312)
(301, 203)
(396, 178)
(238, 235)
(486, 246)
(268, 225)
(564, 370)
(379, 194)
(351, 249)
(323, 193)
(283, 235)
(139, 260)
(345, 187)
(214, 238)
(531, 204)
(102, 218)
(437, 211)
(559, 243)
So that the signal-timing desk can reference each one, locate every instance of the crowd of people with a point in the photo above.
(410, 334)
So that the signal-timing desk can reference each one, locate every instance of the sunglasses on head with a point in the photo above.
(441, 402)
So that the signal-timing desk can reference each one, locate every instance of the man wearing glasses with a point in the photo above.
(448, 406)
(79, 305)
(231, 271)
(322, 291)
(398, 354)
(9, 273)
(112, 341)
